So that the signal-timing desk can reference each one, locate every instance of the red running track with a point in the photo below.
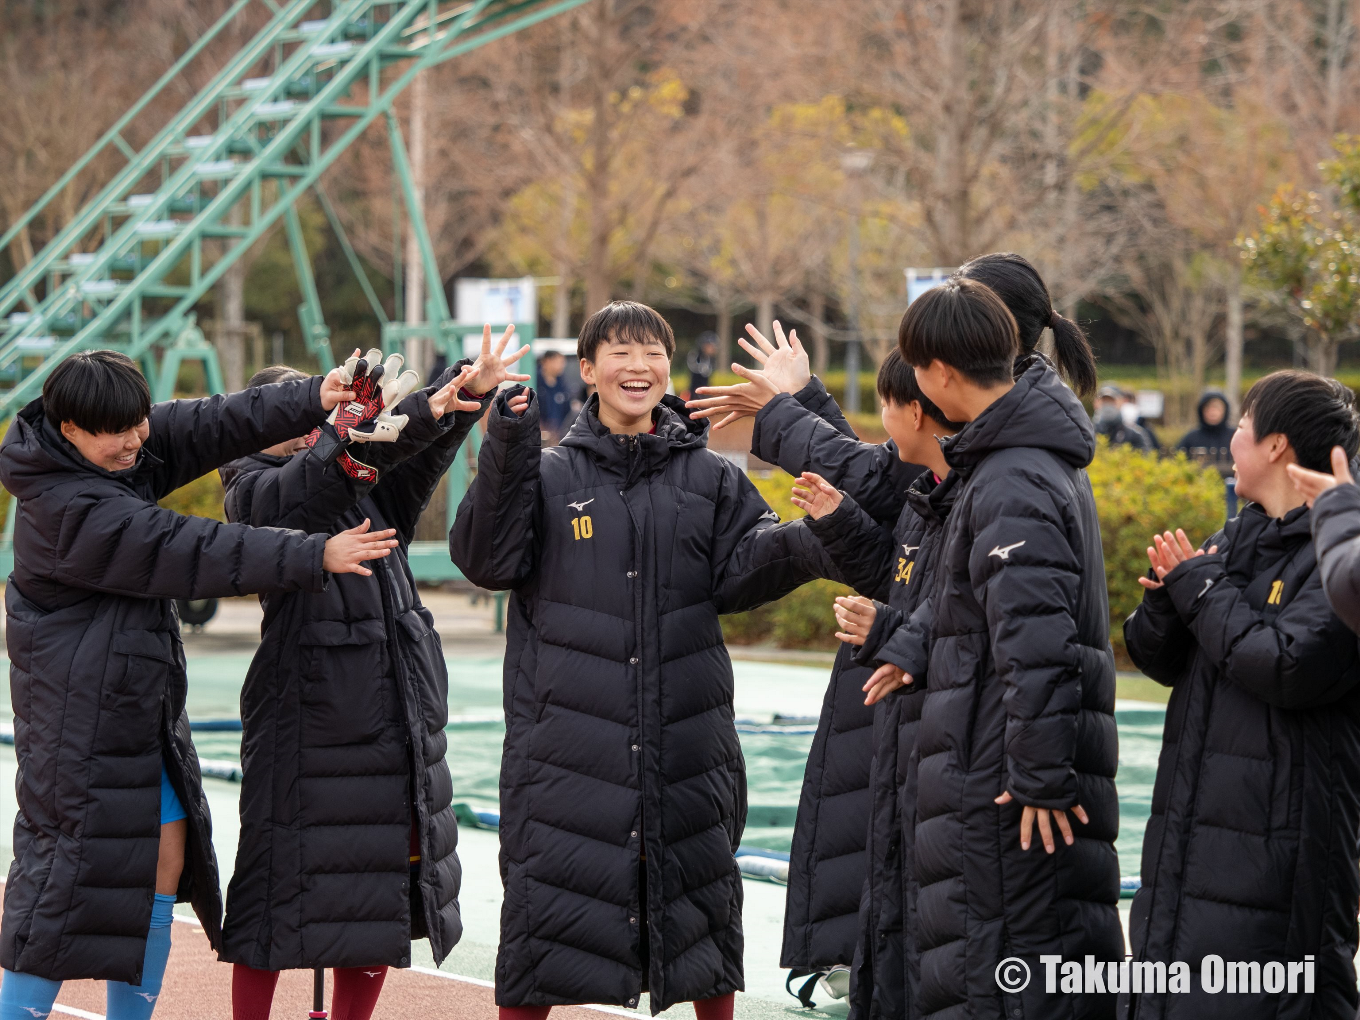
(198, 987)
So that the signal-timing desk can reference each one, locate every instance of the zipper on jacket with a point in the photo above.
(637, 666)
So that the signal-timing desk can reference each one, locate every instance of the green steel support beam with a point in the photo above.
(434, 284)
(314, 329)
(358, 267)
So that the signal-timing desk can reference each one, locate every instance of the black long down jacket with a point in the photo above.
(902, 564)
(1019, 698)
(97, 672)
(807, 432)
(1250, 852)
(344, 709)
(620, 741)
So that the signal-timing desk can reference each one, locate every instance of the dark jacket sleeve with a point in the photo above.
(908, 646)
(860, 547)
(1303, 657)
(886, 621)
(756, 560)
(193, 437)
(494, 538)
(1027, 577)
(1157, 639)
(126, 546)
(304, 493)
(1336, 536)
(787, 433)
(404, 492)
(815, 398)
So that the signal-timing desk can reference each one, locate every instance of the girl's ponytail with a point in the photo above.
(1073, 353)
(1021, 287)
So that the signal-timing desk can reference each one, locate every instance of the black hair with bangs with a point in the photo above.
(97, 391)
(624, 322)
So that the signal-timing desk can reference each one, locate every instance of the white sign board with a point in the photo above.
(495, 301)
(921, 280)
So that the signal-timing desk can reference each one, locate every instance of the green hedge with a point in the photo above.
(801, 619)
(200, 498)
(1136, 495)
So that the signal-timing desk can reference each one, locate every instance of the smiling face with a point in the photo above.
(630, 378)
(1259, 465)
(112, 451)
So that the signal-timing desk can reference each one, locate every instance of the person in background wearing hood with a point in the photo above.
(1017, 729)
(1112, 423)
(113, 826)
(1211, 443)
(623, 789)
(1250, 851)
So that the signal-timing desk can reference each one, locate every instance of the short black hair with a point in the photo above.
(275, 373)
(964, 324)
(1311, 411)
(897, 384)
(98, 391)
(624, 322)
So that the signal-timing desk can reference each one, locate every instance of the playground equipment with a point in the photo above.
(127, 270)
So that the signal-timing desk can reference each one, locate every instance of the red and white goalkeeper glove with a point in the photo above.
(364, 419)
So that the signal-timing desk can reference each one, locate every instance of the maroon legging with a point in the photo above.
(704, 1009)
(355, 995)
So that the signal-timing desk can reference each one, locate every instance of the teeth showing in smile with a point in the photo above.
(637, 387)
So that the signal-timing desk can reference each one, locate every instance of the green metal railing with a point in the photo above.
(128, 269)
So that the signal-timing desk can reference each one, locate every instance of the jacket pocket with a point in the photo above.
(429, 676)
(135, 681)
(345, 677)
(736, 824)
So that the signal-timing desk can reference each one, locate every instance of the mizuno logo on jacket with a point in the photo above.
(1003, 552)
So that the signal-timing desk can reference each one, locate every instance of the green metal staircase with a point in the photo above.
(127, 271)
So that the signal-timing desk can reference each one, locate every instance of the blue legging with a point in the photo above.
(29, 997)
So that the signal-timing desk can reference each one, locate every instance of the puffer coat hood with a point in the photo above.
(97, 670)
(1019, 699)
(1251, 848)
(623, 789)
(344, 709)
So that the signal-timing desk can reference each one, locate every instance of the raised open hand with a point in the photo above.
(783, 369)
(493, 365)
(814, 495)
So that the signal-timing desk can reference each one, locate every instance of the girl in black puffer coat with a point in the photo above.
(1250, 852)
(894, 567)
(97, 671)
(801, 432)
(348, 837)
(1017, 726)
(623, 789)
